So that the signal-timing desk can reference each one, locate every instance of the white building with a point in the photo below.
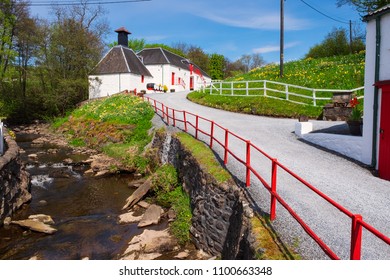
(150, 70)
(172, 70)
(120, 69)
(376, 131)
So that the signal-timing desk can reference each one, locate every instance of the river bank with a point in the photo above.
(84, 194)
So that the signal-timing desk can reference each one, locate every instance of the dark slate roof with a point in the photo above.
(153, 56)
(377, 13)
(120, 60)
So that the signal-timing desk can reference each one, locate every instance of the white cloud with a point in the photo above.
(262, 20)
(274, 48)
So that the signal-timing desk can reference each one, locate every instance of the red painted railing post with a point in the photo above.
(167, 115)
(356, 237)
(185, 121)
(225, 158)
(211, 134)
(273, 189)
(248, 163)
(163, 110)
(173, 116)
(196, 127)
(155, 106)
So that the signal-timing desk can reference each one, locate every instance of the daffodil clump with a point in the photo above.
(339, 72)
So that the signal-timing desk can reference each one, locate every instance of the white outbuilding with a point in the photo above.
(376, 130)
(152, 69)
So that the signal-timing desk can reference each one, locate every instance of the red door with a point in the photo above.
(384, 142)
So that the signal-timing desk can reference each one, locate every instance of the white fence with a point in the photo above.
(292, 93)
(1, 139)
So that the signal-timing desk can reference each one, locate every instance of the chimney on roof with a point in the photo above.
(123, 39)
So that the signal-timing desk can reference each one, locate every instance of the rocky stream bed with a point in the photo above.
(82, 208)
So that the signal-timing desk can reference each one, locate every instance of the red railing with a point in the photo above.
(171, 116)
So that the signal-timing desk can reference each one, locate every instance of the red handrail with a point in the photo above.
(357, 221)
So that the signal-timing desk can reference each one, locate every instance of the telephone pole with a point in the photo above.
(281, 37)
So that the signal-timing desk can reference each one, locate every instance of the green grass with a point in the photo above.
(342, 72)
(256, 105)
(204, 156)
(117, 125)
(171, 195)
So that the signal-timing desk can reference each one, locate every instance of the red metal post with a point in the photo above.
(173, 116)
(273, 189)
(356, 237)
(155, 106)
(225, 158)
(211, 134)
(163, 110)
(185, 121)
(167, 115)
(248, 163)
(196, 127)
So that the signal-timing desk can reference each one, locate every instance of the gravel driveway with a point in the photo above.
(347, 183)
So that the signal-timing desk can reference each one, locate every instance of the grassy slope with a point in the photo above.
(117, 125)
(343, 72)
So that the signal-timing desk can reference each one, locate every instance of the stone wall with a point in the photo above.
(221, 214)
(14, 180)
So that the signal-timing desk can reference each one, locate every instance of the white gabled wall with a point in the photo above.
(162, 75)
(109, 84)
(384, 74)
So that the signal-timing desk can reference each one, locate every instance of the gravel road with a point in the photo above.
(344, 181)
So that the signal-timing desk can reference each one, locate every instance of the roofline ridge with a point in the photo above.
(124, 57)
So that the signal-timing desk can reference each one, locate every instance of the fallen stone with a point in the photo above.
(143, 204)
(46, 219)
(42, 202)
(138, 194)
(35, 226)
(68, 161)
(150, 241)
(7, 221)
(171, 215)
(33, 156)
(152, 216)
(102, 173)
(129, 218)
(182, 255)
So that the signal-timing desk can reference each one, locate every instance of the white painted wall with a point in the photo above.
(106, 85)
(162, 75)
(384, 74)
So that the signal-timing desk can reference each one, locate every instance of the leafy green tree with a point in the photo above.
(334, 44)
(8, 21)
(216, 66)
(364, 6)
(199, 57)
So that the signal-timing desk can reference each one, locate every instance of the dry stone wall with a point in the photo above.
(221, 214)
(14, 180)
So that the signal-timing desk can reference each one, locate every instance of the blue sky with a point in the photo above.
(229, 27)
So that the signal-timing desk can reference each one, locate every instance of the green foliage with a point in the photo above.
(216, 66)
(364, 6)
(204, 156)
(256, 105)
(336, 44)
(164, 179)
(337, 72)
(171, 195)
(77, 142)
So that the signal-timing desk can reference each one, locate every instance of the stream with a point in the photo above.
(84, 208)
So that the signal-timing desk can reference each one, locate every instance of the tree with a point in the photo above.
(246, 61)
(199, 57)
(335, 43)
(364, 6)
(216, 66)
(257, 61)
(8, 20)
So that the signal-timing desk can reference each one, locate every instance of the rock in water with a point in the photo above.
(152, 216)
(35, 226)
(138, 194)
(46, 219)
